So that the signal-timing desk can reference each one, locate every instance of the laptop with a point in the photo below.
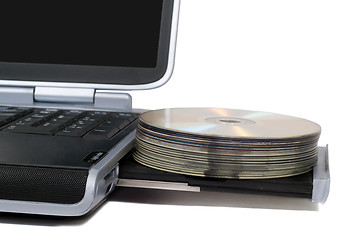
(66, 118)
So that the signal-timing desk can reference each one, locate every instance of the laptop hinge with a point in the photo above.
(111, 99)
(16, 95)
(98, 99)
(64, 95)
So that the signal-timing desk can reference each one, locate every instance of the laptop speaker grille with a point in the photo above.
(39, 184)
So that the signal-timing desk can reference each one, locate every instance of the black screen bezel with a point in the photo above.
(97, 74)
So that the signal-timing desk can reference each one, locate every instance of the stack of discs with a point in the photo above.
(226, 143)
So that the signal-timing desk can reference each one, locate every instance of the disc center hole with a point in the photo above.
(229, 121)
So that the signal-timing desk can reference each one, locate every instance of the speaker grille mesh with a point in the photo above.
(53, 185)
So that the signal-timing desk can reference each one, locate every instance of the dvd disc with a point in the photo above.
(226, 143)
(230, 123)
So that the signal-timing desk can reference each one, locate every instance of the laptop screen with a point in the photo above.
(124, 42)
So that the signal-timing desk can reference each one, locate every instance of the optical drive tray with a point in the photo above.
(313, 185)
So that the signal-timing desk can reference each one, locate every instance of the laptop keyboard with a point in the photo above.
(72, 123)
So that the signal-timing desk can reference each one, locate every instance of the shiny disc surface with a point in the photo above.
(230, 123)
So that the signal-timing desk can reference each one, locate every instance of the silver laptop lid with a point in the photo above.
(123, 45)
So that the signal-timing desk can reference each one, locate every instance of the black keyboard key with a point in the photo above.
(37, 130)
(7, 114)
(14, 109)
(115, 122)
(102, 133)
(128, 116)
(71, 132)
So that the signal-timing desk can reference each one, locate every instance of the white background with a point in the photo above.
(300, 58)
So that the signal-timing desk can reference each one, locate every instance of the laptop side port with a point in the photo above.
(108, 183)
